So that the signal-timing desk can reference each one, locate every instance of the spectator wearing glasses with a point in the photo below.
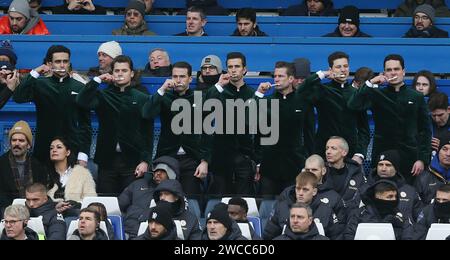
(134, 21)
(423, 24)
(16, 219)
(407, 8)
(209, 74)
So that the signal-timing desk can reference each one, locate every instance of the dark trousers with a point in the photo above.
(114, 178)
(192, 186)
(233, 178)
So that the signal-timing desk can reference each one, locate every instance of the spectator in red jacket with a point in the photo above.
(21, 19)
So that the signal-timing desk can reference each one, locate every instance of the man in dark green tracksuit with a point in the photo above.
(282, 161)
(185, 147)
(401, 117)
(125, 138)
(57, 113)
(335, 117)
(232, 162)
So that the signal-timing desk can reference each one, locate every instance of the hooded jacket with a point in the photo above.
(54, 225)
(321, 212)
(430, 32)
(312, 234)
(302, 10)
(410, 204)
(429, 180)
(369, 214)
(189, 223)
(29, 233)
(409, 6)
(35, 25)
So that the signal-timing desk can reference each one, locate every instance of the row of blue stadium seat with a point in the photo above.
(261, 52)
(234, 4)
(275, 26)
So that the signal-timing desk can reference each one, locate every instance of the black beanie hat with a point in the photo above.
(349, 14)
(220, 213)
(443, 140)
(137, 5)
(391, 156)
(161, 214)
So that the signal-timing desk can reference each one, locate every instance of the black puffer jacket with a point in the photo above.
(302, 10)
(54, 225)
(31, 235)
(321, 212)
(403, 228)
(312, 234)
(424, 221)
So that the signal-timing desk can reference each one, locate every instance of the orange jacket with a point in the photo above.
(39, 29)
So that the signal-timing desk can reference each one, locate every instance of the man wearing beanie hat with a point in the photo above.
(106, 53)
(219, 225)
(438, 172)
(79, 7)
(209, 74)
(17, 168)
(134, 20)
(21, 19)
(423, 24)
(7, 52)
(311, 8)
(407, 8)
(160, 224)
(388, 168)
(348, 24)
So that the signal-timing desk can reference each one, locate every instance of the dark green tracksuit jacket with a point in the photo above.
(284, 160)
(57, 113)
(169, 142)
(225, 146)
(335, 117)
(120, 121)
(401, 122)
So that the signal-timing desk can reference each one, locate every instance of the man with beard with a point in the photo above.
(21, 19)
(17, 167)
(423, 24)
(160, 223)
(106, 53)
(158, 63)
(210, 71)
(134, 21)
(438, 212)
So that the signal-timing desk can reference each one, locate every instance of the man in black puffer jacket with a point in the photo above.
(301, 225)
(172, 192)
(381, 206)
(423, 24)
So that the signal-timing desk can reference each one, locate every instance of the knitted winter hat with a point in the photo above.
(20, 6)
(349, 14)
(22, 127)
(112, 49)
(426, 9)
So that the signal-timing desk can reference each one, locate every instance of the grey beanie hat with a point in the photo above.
(426, 9)
(20, 6)
(212, 60)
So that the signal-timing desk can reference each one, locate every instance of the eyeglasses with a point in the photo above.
(135, 14)
(10, 222)
(423, 18)
(206, 68)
